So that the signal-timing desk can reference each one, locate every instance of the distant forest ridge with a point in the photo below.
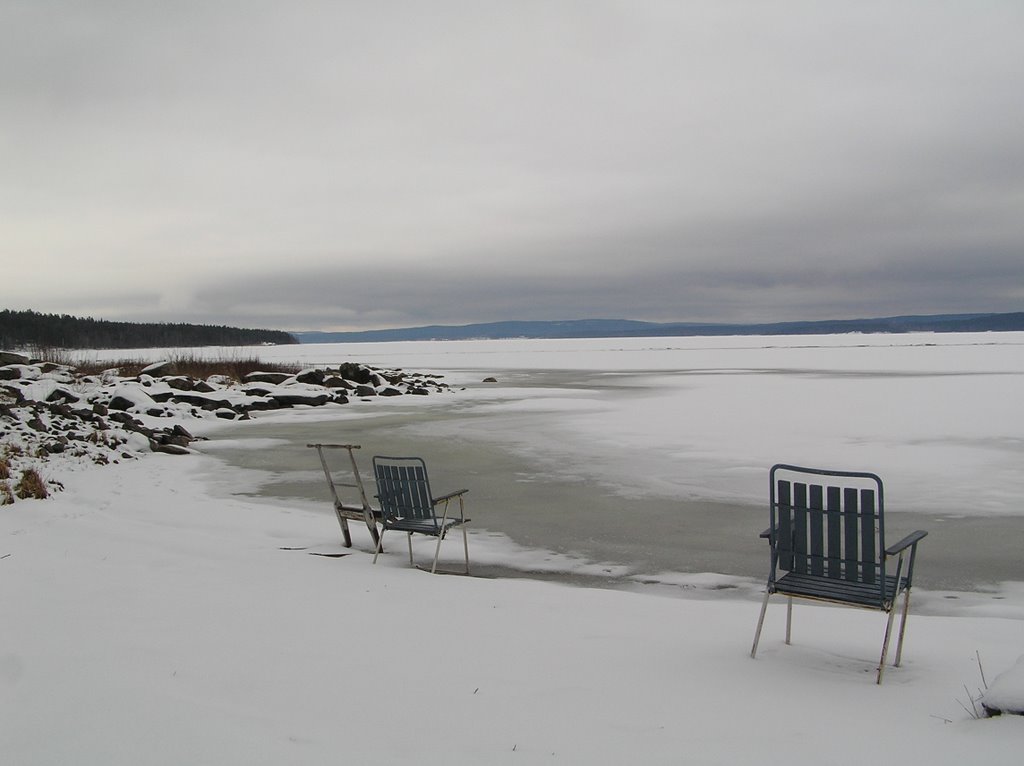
(30, 329)
(624, 328)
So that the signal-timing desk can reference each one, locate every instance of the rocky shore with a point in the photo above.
(53, 419)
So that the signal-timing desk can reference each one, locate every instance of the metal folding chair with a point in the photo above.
(408, 505)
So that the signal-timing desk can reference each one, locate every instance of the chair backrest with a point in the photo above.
(403, 488)
(828, 523)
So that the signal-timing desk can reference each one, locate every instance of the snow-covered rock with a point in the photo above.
(1006, 694)
(49, 412)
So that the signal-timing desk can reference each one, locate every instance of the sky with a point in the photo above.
(359, 165)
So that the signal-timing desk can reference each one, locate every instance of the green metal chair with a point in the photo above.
(827, 540)
(407, 504)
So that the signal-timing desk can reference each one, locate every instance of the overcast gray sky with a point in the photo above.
(354, 165)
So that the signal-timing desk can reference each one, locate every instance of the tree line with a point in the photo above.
(31, 329)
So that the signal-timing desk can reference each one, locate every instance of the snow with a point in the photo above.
(149, 616)
(1007, 690)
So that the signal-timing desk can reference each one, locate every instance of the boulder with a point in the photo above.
(267, 377)
(1006, 693)
(62, 395)
(10, 357)
(128, 397)
(158, 369)
(169, 449)
(336, 382)
(198, 399)
(294, 399)
(313, 377)
(354, 372)
(180, 382)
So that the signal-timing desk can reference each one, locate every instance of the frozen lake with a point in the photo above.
(640, 459)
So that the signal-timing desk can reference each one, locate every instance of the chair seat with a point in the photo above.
(843, 591)
(422, 526)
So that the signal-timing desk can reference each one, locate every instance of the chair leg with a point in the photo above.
(760, 623)
(437, 550)
(903, 628)
(380, 545)
(409, 537)
(465, 546)
(789, 620)
(885, 644)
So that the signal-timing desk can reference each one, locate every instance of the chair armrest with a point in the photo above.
(906, 542)
(767, 534)
(449, 496)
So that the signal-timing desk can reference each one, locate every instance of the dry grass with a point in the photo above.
(31, 484)
(190, 365)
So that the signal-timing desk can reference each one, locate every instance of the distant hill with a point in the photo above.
(622, 328)
(30, 329)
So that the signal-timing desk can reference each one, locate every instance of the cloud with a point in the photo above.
(359, 165)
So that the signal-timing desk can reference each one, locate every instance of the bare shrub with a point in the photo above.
(6, 496)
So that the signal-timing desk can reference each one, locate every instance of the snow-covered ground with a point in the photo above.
(147, 618)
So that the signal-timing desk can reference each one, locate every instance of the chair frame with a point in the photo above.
(827, 544)
(408, 505)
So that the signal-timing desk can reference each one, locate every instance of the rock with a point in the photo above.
(354, 372)
(335, 382)
(389, 391)
(1005, 695)
(120, 403)
(366, 391)
(490, 380)
(196, 398)
(202, 387)
(225, 414)
(10, 357)
(9, 373)
(158, 368)
(63, 410)
(182, 432)
(313, 377)
(259, 405)
(180, 383)
(267, 377)
(169, 449)
(62, 395)
(293, 399)
(125, 419)
(127, 397)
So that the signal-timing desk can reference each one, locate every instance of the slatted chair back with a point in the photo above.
(828, 524)
(403, 488)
